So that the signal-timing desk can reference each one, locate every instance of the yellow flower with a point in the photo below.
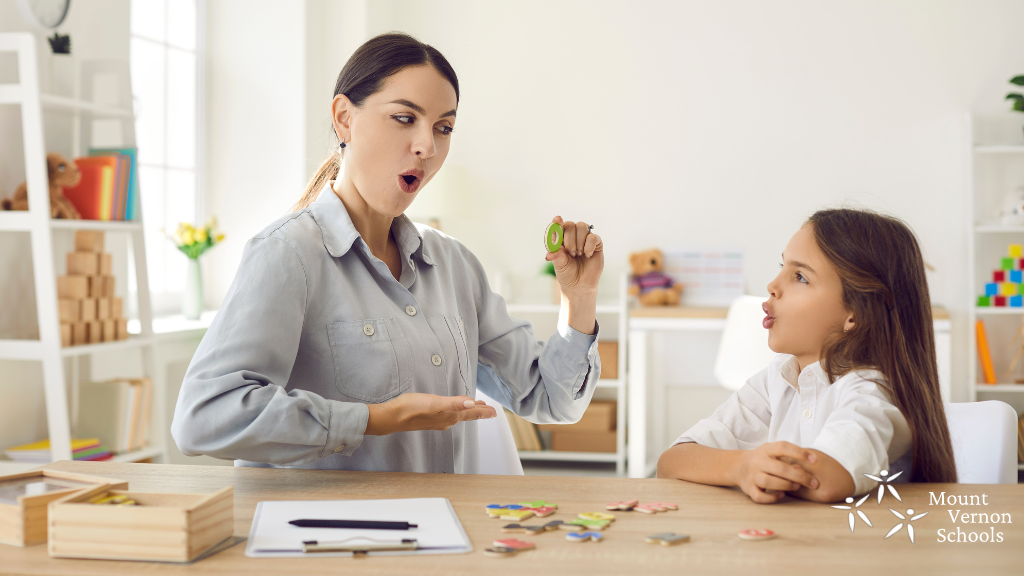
(201, 235)
(220, 237)
(186, 236)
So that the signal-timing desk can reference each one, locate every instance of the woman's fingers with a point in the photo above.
(592, 245)
(569, 238)
(582, 231)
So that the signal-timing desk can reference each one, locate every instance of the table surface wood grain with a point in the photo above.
(811, 537)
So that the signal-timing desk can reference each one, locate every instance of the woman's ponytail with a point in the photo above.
(325, 173)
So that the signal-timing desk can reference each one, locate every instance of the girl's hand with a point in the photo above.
(414, 411)
(580, 260)
(765, 477)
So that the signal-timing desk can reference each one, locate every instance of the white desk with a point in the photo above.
(646, 395)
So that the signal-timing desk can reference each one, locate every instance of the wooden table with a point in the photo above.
(811, 537)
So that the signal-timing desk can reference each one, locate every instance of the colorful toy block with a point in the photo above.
(1015, 251)
(584, 536)
(655, 507)
(983, 301)
(625, 505)
(999, 276)
(668, 539)
(538, 504)
(600, 516)
(1016, 301)
(543, 511)
(1016, 276)
(520, 529)
(1007, 263)
(517, 515)
(1008, 289)
(586, 524)
(1000, 300)
(508, 547)
(991, 289)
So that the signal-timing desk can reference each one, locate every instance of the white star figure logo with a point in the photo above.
(910, 529)
(884, 483)
(859, 513)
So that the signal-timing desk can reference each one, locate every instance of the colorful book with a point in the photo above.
(92, 194)
(129, 201)
(984, 354)
(81, 449)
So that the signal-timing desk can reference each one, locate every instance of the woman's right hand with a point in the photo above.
(766, 477)
(414, 411)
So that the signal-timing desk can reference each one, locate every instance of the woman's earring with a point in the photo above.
(341, 146)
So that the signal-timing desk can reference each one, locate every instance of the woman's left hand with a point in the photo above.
(579, 262)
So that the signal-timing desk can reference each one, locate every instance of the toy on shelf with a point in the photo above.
(62, 174)
(1005, 289)
(89, 311)
(649, 283)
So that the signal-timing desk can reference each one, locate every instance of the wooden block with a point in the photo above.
(105, 265)
(116, 308)
(73, 287)
(585, 442)
(83, 263)
(121, 329)
(108, 330)
(94, 332)
(69, 310)
(65, 334)
(79, 334)
(599, 417)
(103, 309)
(108, 285)
(95, 287)
(609, 353)
(87, 309)
(88, 241)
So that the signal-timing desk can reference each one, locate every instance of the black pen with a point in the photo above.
(358, 524)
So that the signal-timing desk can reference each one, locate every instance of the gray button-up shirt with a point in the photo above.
(315, 327)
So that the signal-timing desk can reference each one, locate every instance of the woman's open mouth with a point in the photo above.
(769, 320)
(410, 180)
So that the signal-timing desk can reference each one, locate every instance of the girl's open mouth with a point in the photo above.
(410, 181)
(769, 320)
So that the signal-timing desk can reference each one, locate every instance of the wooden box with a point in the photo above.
(108, 330)
(73, 287)
(83, 263)
(609, 353)
(116, 308)
(65, 334)
(599, 417)
(103, 309)
(24, 498)
(161, 527)
(69, 310)
(105, 265)
(87, 309)
(583, 442)
(79, 333)
(121, 329)
(88, 241)
(93, 332)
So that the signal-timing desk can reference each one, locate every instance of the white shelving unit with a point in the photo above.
(621, 310)
(41, 228)
(986, 234)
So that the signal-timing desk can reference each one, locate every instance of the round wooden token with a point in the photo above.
(756, 534)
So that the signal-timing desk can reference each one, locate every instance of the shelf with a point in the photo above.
(986, 388)
(62, 103)
(553, 455)
(999, 149)
(21, 350)
(137, 455)
(998, 229)
(12, 467)
(104, 225)
(999, 310)
(131, 342)
(610, 382)
(14, 221)
(554, 308)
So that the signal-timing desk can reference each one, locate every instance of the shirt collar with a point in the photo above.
(789, 373)
(340, 233)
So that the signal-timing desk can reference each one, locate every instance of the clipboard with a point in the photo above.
(439, 530)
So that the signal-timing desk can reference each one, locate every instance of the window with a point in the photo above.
(164, 62)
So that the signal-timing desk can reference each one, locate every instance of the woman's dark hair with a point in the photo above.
(884, 288)
(363, 75)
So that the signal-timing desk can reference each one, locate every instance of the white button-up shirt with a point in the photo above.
(315, 327)
(852, 420)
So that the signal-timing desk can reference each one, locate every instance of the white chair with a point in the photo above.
(743, 350)
(495, 445)
(984, 438)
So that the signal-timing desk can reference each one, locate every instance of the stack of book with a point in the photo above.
(118, 412)
(524, 433)
(39, 452)
(109, 189)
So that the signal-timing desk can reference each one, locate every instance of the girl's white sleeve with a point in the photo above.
(741, 423)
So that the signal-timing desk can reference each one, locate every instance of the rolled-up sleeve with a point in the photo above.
(233, 403)
(860, 433)
(544, 382)
(740, 423)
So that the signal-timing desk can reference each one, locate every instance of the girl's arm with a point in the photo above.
(836, 482)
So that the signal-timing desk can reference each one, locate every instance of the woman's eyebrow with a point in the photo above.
(419, 108)
(799, 264)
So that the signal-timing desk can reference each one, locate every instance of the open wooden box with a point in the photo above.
(24, 498)
(161, 527)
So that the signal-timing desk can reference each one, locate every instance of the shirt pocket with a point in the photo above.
(371, 359)
(457, 330)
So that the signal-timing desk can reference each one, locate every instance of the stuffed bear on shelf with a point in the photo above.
(649, 283)
(62, 174)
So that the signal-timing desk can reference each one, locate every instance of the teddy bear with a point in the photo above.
(62, 174)
(649, 282)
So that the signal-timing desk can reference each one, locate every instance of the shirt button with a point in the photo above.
(339, 448)
(436, 360)
(410, 310)
(368, 330)
(807, 413)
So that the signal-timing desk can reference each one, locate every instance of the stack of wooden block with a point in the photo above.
(89, 311)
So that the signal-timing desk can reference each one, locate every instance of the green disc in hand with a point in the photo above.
(553, 237)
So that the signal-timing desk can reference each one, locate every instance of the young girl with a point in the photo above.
(855, 389)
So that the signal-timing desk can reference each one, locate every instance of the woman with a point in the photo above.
(350, 337)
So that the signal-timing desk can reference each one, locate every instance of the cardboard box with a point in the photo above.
(83, 263)
(583, 442)
(103, 309)
(609, 353)
(121, 329)
(108, 330)
(105, 265)
(599, 417)
(69, 310)
(88, 241)
(72, 287)
(160, 527)
(87, 309)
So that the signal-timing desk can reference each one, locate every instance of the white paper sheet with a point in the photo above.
(438, 532)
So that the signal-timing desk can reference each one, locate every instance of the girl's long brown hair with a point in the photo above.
(884, 288)
(363, 75)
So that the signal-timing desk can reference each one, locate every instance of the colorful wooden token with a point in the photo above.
(584, 536)
(538, 504)
(668, 538)
(554, 525)
(517, 515)
(543, 511)
(514, 544)
(586, 524)
(756, 534)
(655, 507)
(520, 529)
(625, 505)
(602, 516)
